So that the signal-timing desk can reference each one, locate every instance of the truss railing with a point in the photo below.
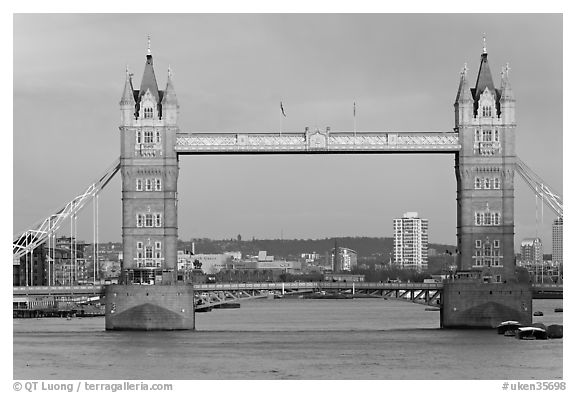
(28, 240)
(552, 198)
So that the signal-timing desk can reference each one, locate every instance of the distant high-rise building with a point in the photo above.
(346, 260)
(557, 236)
(411, 242)
(531, 250)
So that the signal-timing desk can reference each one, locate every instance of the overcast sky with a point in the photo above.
(230, 73)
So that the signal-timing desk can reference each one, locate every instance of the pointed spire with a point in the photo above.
(149, 78)
(484, 79)
(169, 97)
(128, 94)
(463, 94)
(506, 88)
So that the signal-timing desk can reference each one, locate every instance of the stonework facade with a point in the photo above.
(485, 165)
(149, 167)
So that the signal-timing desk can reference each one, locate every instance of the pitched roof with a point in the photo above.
(484, 79)
(149, 80)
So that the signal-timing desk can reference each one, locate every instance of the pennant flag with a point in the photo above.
(282, 109)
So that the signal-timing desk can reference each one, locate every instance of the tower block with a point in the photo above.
(486, 126)
(148, 297)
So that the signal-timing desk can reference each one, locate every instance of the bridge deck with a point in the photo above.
(99, 289)
(317, 142)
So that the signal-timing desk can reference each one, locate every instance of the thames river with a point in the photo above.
(288, 339)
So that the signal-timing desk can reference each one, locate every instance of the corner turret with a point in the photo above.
(507, 100)
(127, 102)
(464, 104)
(170, 105)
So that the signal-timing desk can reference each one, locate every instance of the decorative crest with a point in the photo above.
(149, 50)
(484, 43)
(169, 71)
(507, 69)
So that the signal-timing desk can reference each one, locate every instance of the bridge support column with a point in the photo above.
(169, 307)
(481, 305)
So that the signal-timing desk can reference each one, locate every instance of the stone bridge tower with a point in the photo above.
(149, 167)
(485, 165)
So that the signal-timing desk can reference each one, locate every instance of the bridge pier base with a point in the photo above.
(150, 307)
(484, 305)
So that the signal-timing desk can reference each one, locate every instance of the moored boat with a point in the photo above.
(559, 309)
(538, 313)
(531, 333)
(508, 326)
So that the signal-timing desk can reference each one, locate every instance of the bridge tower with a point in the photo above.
(486, 126)
(149, 167)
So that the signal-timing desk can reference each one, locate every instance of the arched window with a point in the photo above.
(148, 112)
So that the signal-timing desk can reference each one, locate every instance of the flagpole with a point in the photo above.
(354, 116)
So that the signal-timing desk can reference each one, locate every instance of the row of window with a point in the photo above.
(487, 183)
(487, 252)
(148, 113)
(486, 111)
(487, 218)
(488, 262)
(496, 244)
(147, 137)
(149, 184)
(487, 136)
(157, 245)
(149, 220)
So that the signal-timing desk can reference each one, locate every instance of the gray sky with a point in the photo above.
(231, 71)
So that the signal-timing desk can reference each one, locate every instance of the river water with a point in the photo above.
(288, 339)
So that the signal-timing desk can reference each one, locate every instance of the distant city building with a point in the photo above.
(557, 240)
(531, 251)
(210, 263)
(411, 242)
(343, 277)
(346, 260)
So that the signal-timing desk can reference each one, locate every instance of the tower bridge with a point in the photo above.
(482, 142)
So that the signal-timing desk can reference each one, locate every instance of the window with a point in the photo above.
(139, 222)
(157, 220)
(148, 113)
(148, 184)
(148, 137)
(138, 137)
(487, 183)
(496, 243)
(477, 136)
(496, 183)
(148, 221)
(138, 184)
(139, 245)
(139, 255)
(487, 135)
(478, 253)
(158, 245)
(148, 251)
(496, 136)
(487, 111)
(157, 136)
(496, 253)
(477, 183)
(487, 219)
(478, 243)
(496, 219)
(158, 255)
(158, 184)
(479, 220)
